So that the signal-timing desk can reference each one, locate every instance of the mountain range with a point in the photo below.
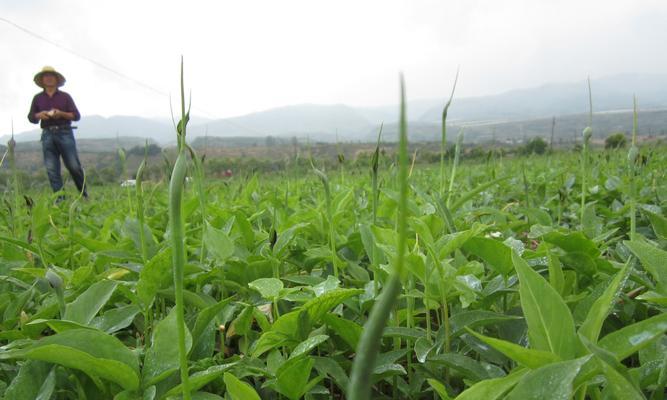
(512, 114)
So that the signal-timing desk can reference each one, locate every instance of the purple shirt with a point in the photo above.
(60, 100)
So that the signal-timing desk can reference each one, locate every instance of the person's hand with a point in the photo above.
(43, 115)
(55, 113)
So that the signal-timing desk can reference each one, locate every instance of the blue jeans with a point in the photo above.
(57, 143)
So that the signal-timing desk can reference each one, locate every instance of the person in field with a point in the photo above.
(55, 110)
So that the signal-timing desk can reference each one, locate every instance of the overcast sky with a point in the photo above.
(246, 56)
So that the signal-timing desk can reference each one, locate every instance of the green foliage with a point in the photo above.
(615, 141)
(505, 292)
(536, 145)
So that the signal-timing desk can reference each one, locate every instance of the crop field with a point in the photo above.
(536, 277)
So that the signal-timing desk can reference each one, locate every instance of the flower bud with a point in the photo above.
(633, 153)
(587, 133)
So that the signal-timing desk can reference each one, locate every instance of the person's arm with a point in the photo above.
(71, 113)
(70, 116)
(35, 115)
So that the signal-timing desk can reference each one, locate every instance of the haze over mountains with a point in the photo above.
(509, 115)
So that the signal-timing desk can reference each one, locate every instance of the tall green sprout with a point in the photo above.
(457, 152)
(369, 343)
(178, 238)
(587, 133)
(341, 160)
(332, 233)
(72, 209)
(633, 154)
(198, 164)
(443, 142)
(11, 146)
(375, 162)
(140, 204)
(122, 158)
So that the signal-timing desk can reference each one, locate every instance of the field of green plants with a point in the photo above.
(538, 277)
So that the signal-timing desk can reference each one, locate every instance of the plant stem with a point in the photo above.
(178, 242)
(369, 343)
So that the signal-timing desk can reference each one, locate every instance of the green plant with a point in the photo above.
(587, 134)
(536, 145)
(369, 343)
(615, 141)
(443, 137)
(178, 239)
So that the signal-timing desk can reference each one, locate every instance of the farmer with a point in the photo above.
(55, 110)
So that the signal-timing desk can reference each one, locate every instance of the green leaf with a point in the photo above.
(48, 386)
(619, 386)
(659, 224)
(319, 306)
(205, 318)
(329, 367)
(653, 260)
(205, 396)
(57, 325)
(422, 348)
(269, 288)
(439, 388)
(550, 323)
(527, 357)
(268, 341)
(292, 377)
(348, 330)
(218, 243)
(285, 238)
(162, 357)
(575, 242)
(492, 389)
(155, 275)
(90, 302)
(200, 379)
(244, 226)
(95, 353)
(239, 390)
(630, 339)
(116, 319)
(551, 382)
(454, 241)
(556, 277)
(476, 318)
(307, 345)
(34, 380)
(495, 253)
(592, 325)
(468, 367)
(618, 377)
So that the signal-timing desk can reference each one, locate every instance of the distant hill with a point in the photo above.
(317, 121)
(100, 145)
(96, 127)
(511, 113)
(567, 128)
(613, 93)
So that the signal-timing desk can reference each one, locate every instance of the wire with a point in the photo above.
(90, 60)
(117, 73)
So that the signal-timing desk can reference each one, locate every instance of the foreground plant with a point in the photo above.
(178, 239)
(587, 134)
(633, 155)
(443, 138)
(369, 343)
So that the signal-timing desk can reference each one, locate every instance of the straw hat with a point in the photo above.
(49, 70)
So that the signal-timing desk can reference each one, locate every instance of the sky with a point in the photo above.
(123, 57)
